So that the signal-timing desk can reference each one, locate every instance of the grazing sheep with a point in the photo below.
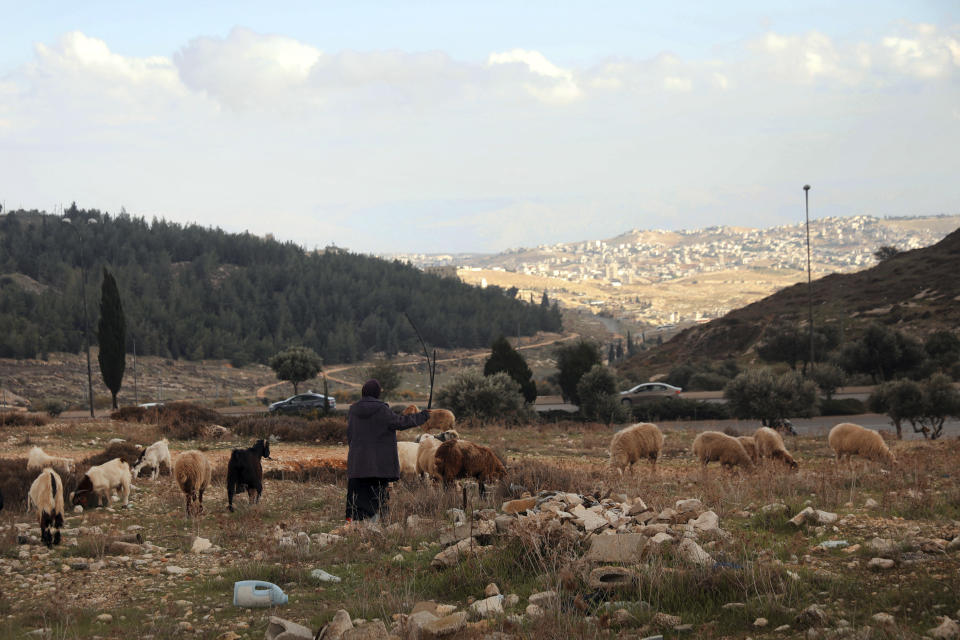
(461, 459)
(712, 446)
(632, 444)
(192, 472)
(46, 494)
(750, 446)
(426, 455)
(153, 456)
(245, 469)
(770, 445)
(440, 419)
(847, 439)
(407, 453)
(101, 481)
(38, 460)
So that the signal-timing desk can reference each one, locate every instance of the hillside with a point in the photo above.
(197, 293)
(918, 291)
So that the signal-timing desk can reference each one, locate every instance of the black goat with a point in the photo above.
(244, 469)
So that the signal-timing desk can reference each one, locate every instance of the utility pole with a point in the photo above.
(86, 320)
(806, 197)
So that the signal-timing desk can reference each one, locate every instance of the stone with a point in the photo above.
(546, 600)
(884, 620)
(445, 626)
(488, 607)
(706, 522)
(690, 504)
(667, 515)
(534, 611)
(323, 576)
(954, 545)
(491, 590)
(694, 553)
(104, 617)
(799, 519)
(880, 564)
(774, 507)
(812, 616)
(782, 628)
(374, 630)
(511, 600)
(611, 577)
(636, 507)
(661, 539)
(662, 619)
(398, 558)
(340, 624)
(683, 628)
(624, 547)
(200, 545)
(324, 539)
(175, 570)
(229, 635)
(825, 517)
(871, 503)
(760, 623)
(734, 605)
(425, 605)
(416, 622)
(947, 630)
(519, 505)
(280, 629)
(452, 554)
(883, 547)
(457, 515)
(443, 610)
(504, 523)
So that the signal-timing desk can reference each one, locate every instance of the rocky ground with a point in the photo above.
(559, 548)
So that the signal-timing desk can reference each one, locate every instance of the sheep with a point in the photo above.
(770, 445)
(245, 469)
(712, 446)
(407, 453)
(426, 454)
(440, 419)
(750, 446)
(153, 456)
(847, 439)
(46, 494)
(101, 481)
(629, 445)
(192, 472)
(461, 459)
(38, 460)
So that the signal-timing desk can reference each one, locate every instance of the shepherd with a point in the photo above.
(372, 460)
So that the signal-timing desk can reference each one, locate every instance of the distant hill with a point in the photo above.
(193, 292)
(917, 291)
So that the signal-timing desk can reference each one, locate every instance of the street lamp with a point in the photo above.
(806, 197)
(86, 320)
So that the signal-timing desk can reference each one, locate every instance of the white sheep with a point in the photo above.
(46, 495)
(634, 443)
(153, 456)
(38, 460)
(770, 445)
(407, 453)
(192, 473)
(426, 455)
(750, 446)
(102, 480)
(847, 439)
(712, 446)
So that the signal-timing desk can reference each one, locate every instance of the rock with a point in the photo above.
(884, 620)
(825, 517)
(398, 558)
(445, 626)
(774, 507)
(591, 520)
(491, 590)
(734, 605)
(443, 610)
(662, 619)
(799, 519)
(760, 623)
(374, 630)
(323, 539)
(177, 571)
(78, 509)
(880, 564)
(457, 515)
(340, 624)
(200, 545)
(611, 577)
(636, 507)
(534, 611)
(546, 600)
(683, 628)
(954, 545)
(518, 506)
(504, 523)
(416, 621)
(883, 547)
(623, 547)
(511, 600)
(488, 607)
(118, 548)
(871, 503)
(812, 616)
(782, 628)
(323, 576)
(104, 617)
(691, 504)
(229, 635)
(280, 629)
(706, 522)
(184, 625)
(694, 554)
(452, 555)
(660, 539)
(947, 630)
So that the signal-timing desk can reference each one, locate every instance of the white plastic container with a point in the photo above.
(257, 593)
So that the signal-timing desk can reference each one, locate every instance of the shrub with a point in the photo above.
(707, 381)
(827, 377)
(53, 407)
(759, 394)
(177, 420)
(472, 394)
(331, 430)
(20, 419)
(679, 409)
(844, 407)
(598, 396)
(573, 361)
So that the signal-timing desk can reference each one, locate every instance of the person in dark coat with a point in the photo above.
(372, 461)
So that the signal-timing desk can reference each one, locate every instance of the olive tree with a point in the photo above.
(759, 394)
(599, 399)
(472, 394)
(296, 365)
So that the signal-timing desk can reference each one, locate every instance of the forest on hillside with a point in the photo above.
(196, 293)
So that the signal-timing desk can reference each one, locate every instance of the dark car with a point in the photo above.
(303, 402)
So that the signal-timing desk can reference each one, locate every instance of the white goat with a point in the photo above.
(46, 495)
(38, 460)
(102, 481)
(153, 456)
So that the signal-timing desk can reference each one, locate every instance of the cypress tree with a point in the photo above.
(504, 357)
(112, 336)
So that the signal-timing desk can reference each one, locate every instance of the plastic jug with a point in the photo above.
(257, 593)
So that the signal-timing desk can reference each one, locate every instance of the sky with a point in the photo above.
(452, 126)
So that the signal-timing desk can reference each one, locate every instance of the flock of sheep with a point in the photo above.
(645, 441)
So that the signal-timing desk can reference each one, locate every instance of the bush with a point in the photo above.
(472, 394)
(760, 394)
(332, 430)
(53, 407)
(706, 381)
(679, 409)
(599, 400)
(21, 419)
(827, 377)
(177, 420)
(574, 361)
(844, 407)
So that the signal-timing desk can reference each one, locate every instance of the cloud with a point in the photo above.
(547, 81)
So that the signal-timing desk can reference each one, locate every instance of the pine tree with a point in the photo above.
(112, 336)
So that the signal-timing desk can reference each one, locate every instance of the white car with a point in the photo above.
(648, 390)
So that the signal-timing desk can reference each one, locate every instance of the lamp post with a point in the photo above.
(86, 320)
(806, 197)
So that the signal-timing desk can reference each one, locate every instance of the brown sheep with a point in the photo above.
(770, 445)
(847, 439)
(712, 446)
(750, 446)
(440, 419)
(462, 459)
(629, 445)
(192, 473)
